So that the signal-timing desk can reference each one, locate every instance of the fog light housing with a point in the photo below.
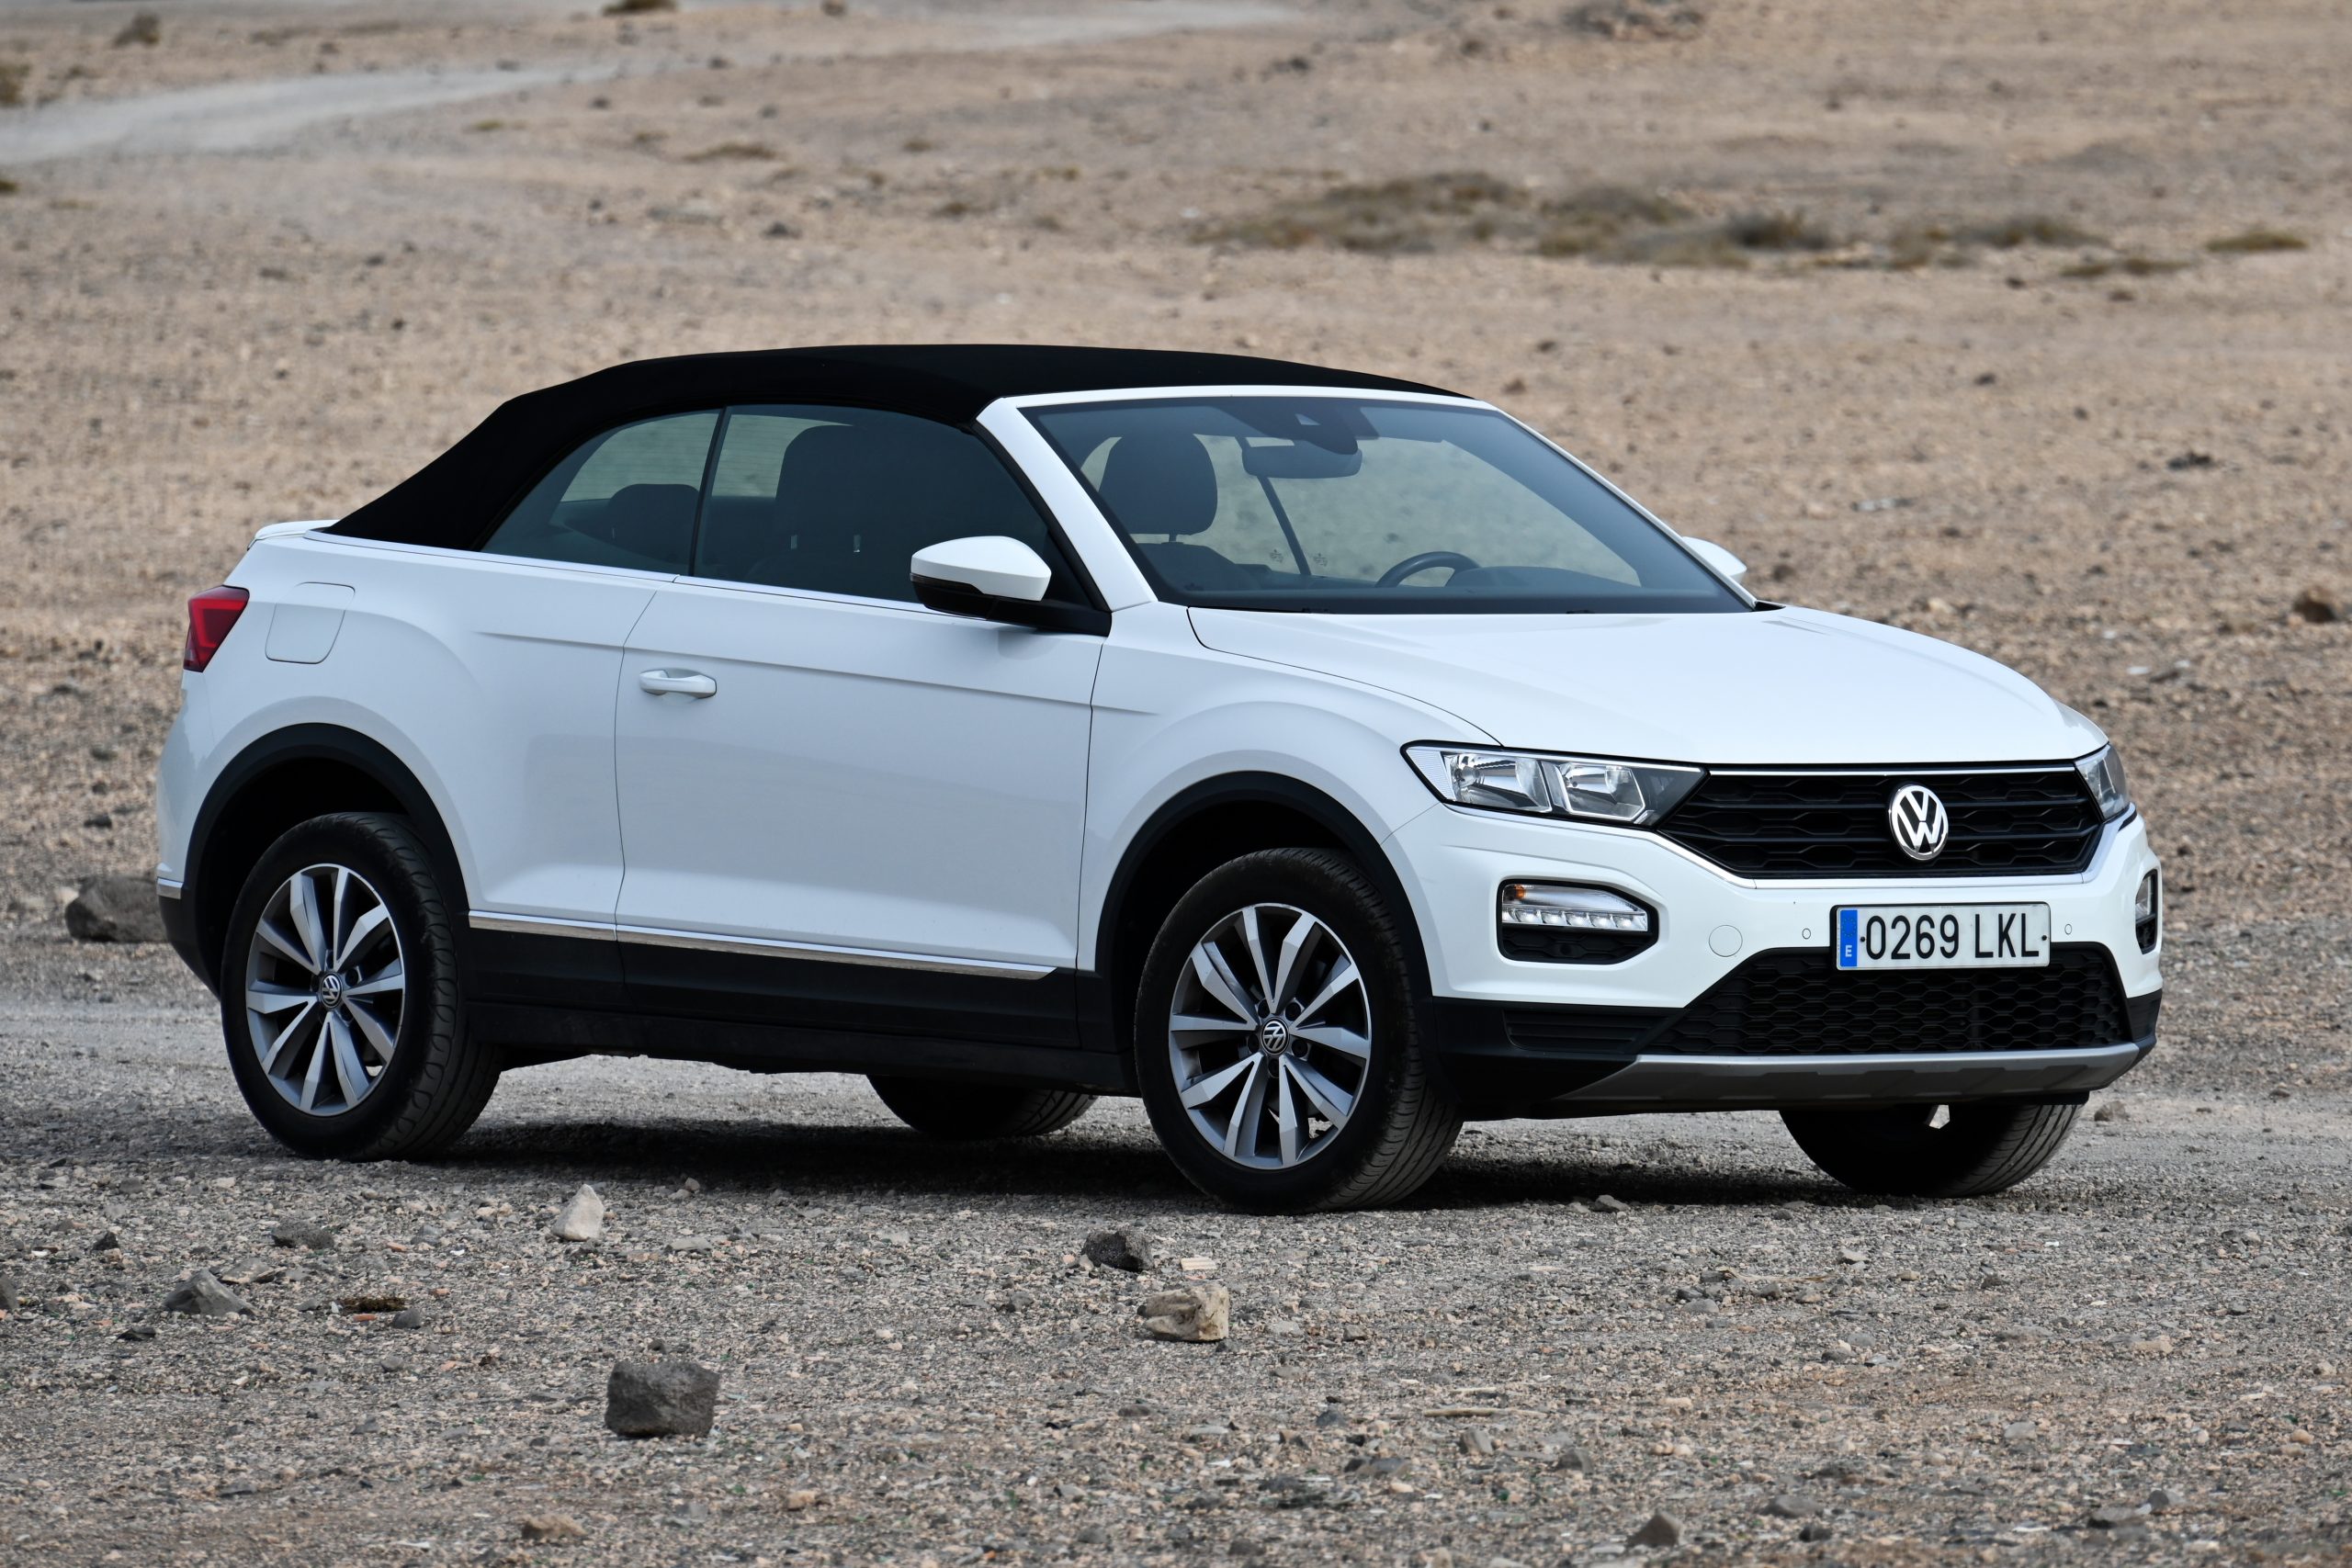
(1554, 922)
(2148, 911)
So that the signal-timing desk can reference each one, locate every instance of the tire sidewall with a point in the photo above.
(1312, 881)
(427, 959)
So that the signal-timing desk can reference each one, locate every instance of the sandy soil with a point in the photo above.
(2117, 460)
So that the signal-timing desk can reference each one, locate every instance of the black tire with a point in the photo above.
(436, 1077)
(970, 1113)
(1401, 1125)
(1986, 1146)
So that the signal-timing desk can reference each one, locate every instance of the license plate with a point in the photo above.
(1943, 936)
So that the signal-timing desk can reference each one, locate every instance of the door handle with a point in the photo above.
(684, 682)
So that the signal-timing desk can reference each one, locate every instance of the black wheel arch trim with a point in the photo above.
(303, 743)
(1099, 1026)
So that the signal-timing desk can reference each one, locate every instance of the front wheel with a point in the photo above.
(1279, 1044)
(339, 996)
(1933, 1151)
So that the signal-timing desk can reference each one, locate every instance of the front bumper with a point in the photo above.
(1528, 1038)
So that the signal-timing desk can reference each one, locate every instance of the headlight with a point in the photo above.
(2103, 770)
(1594, 789)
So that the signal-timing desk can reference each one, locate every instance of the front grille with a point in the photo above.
(1799, 823)
(1793, 1002)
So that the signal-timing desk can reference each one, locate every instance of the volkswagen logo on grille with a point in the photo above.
(1920, 821)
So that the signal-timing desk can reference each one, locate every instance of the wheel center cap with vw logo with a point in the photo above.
(331, 990)
(1273, 1037)
(1920, 821)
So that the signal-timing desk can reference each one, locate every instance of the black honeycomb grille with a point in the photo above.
(1795, 1002)
(2022, 822)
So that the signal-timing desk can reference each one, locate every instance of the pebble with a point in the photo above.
(1478, 1442)
(1609, 1206)
(409, 1317)
(552, 1526)
(204, 1296)
(655, 1399)
(1814, 1529)
(1198, 1314)
(582, 1218)
(107, 1242)
(8, 1297)
(1122, 1246)
(2111, 1515)
(1792, 1506)
(1661, 1528)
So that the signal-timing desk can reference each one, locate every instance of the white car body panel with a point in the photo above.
(1778, 687)
(868, 773)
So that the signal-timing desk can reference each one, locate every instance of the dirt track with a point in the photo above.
(2108, 454)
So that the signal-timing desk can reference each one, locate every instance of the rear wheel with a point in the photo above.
(1278, 1040)
(1933, 1151)
(964, 1112)
(339, 996)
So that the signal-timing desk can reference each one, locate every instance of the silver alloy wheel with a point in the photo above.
(1269, 1035)
(326, 989)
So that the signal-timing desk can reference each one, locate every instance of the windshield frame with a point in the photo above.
(1326, 602)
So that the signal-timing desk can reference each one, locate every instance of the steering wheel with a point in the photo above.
(1410, 565)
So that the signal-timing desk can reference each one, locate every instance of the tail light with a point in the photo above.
(210, 616)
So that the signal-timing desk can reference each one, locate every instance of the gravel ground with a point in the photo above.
(2110, 456)
(1574, 1326)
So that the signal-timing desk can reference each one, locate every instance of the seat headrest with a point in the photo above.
(1159, 484)
(651, 519)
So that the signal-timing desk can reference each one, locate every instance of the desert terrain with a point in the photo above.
(2029, 326)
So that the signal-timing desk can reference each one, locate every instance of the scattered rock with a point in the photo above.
(251, 1271)
(409, 1317)
(552, 1526)
(582, 1218)
(1792, 1506)
(1197, 1312)
(2320, 604)
(1478, 1442)
(107, 1242)
(2020, 1432)
(654, 1399)
(144, 27)
(115, 908)
(1123, 1247)
(799, 1501)
(138, 1333)
(356, 1306)
(638, 7)
(302, 1232)
(2111, 1111)
(2191, 459)
(2114, 1516)
(8, 1297)
(204, 1296)
(1609, 1206)
(2162, 1500)
(1661, 1528)
(1814, 1529)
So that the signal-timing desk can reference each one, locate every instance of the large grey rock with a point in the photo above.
(204, 1296)
(302, 1232)
(1122, 1246)
(1197, 1312)
(1661, 1528)
(583, 1218)
(660, 1399)
(116, 908)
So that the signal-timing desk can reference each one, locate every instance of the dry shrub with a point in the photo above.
(1593, 221)
(8, 186)
(2255, 241)
(12, 82)
(144, 27)
(2132, 266)
(1635, 20)
(2027, 229)
(638, 7)
(1417, 212)
(734, 152)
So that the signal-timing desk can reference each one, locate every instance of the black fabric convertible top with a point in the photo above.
(453, 501)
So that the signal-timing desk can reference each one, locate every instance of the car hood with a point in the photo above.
(1774, 686)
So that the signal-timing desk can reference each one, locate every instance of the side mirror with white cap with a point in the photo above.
(1722, 560)
(991, 577)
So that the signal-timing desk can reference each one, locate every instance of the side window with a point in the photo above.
(626, 498)
(838, 501)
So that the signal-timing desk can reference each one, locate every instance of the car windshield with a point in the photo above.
(1279, 502)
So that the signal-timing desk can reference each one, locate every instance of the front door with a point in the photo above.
(839, 810)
